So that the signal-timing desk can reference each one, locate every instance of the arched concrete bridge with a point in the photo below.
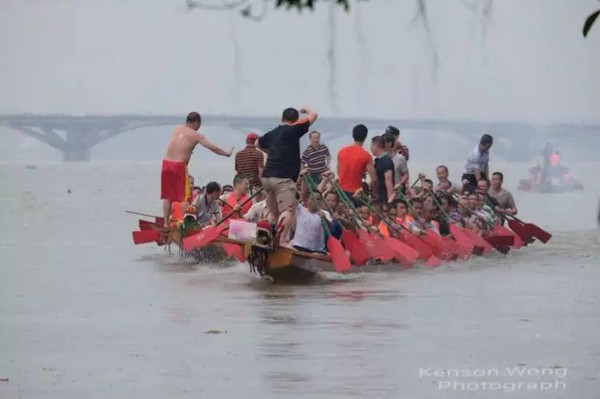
(75, 136)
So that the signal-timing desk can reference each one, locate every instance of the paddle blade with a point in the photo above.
(382, 250)
(519, 229)
(233, 251)
(538, 232)
(201, 239)
(146, 236)
(404, 254)
(461, 252)
(433, 261)
(146, 225)
(358, 252)
(503, 249)
(424, 250)
(338, 255)
(502, 240)
(463, 241)
(480, 244)
(437, 244)
(501, 230)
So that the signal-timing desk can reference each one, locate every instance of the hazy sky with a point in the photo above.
(150, 56)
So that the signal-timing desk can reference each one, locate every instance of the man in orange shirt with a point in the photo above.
(353, 162)
(235, 198)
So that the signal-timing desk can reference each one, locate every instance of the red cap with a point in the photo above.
(251, 138)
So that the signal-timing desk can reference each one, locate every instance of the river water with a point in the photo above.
(85, 314)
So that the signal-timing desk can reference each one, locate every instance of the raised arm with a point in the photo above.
(210, 146)
(311, 115)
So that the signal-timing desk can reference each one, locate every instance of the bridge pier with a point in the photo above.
(76, 155)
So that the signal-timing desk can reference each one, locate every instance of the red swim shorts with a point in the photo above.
(173, 181)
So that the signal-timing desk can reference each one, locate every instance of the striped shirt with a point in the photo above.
(247, 162)
(316, 158)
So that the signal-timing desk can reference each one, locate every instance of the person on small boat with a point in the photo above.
(316, 157)
(258, 211)
(238, 196)
(174, 175)
(477, 165)
(207, 204)
(309, 235)
(283, 165)
(506, 202)
(353, 161)
(249, 162)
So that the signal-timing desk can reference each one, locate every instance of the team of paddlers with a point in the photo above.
(307, 205)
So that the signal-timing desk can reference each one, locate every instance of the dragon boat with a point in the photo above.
(282, 263)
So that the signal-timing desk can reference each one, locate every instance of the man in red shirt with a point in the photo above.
(235, 198)
(353, 162)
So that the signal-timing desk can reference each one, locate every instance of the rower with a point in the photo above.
(174, 175)
(506, 202)
(258, 211)
(444, 184)
(477, 165)
(283, 165)
(207, 204)
(237, 197)
(309, 235)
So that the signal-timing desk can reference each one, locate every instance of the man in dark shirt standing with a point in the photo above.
(282, 144)
(384, 168)
(249, 162)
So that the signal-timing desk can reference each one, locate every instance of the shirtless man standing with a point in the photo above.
(174, 185)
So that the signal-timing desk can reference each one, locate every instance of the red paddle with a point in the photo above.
(404, 254)
(233, 250)
(535, 231)
(377, 248)
(503, 240)
(424, 250)
(338, 255)
(146, 236)
(358, 253)
(478, 241)
(157, 219)
(464, 243)
(498, 229)
(519, 229)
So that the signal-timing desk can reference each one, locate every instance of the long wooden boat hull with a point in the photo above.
(287, 264)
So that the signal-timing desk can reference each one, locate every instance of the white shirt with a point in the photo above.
(309, 230)
(477, 161)
(258, 212)
(400, 167)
